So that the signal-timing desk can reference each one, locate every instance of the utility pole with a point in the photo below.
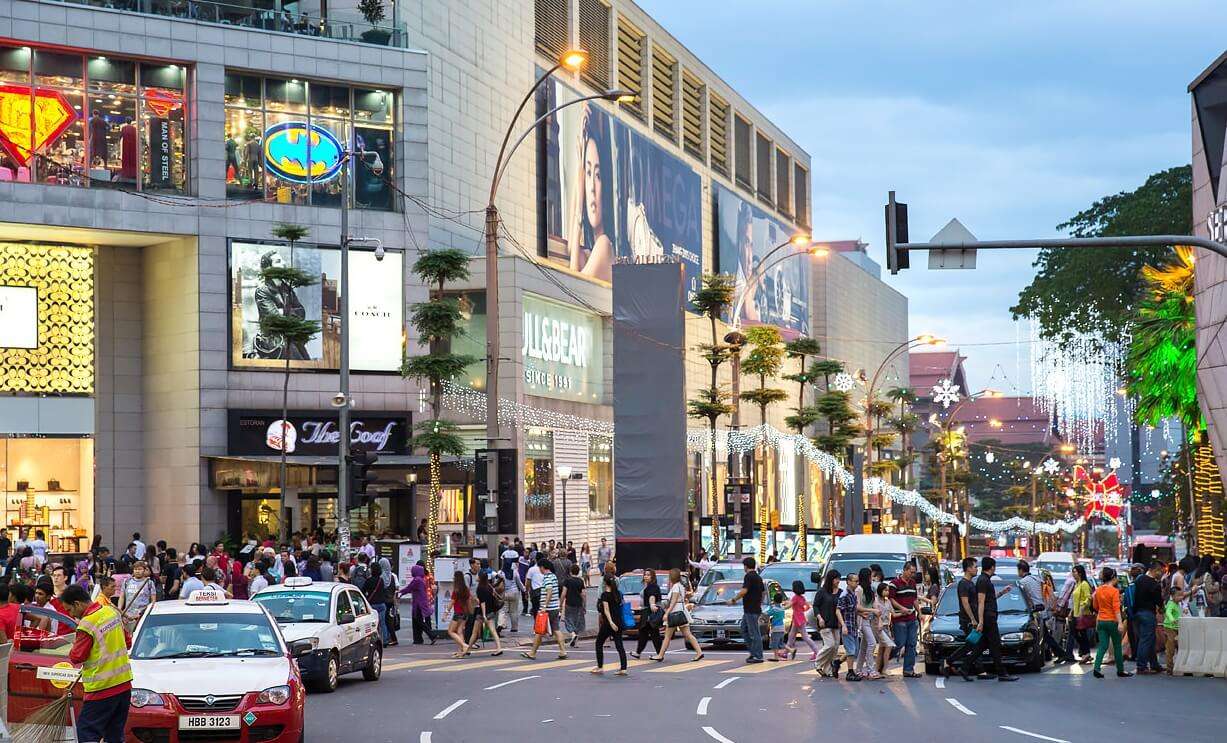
(343, 371)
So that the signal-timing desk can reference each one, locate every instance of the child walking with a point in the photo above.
(775, 614)
(882, 628)
(800, 607)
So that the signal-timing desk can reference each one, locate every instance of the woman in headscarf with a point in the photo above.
(421, 602)
(391, 585)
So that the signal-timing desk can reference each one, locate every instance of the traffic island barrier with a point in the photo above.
(1203, 647)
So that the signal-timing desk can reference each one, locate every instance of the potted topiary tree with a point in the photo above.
(373, 12)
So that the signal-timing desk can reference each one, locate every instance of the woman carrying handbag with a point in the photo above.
(651, 615)
(677, 618)
(1083, 614)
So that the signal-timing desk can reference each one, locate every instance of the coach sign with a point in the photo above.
(257, 433)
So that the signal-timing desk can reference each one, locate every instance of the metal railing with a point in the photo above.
(264, 18)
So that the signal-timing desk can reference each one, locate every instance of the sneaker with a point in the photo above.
(852, 676)
(1007, 678)
(754, 660)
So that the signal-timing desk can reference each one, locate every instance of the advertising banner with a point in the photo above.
(376, 311)
(609, 192)
(562, 351)
(745, 235)
(258, 433)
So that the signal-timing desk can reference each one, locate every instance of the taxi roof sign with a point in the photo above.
(207, 597)
(296, 581)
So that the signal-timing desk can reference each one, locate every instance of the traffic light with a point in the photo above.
(896, 234)
(360, 461)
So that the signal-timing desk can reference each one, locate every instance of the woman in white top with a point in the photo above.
(677, 617)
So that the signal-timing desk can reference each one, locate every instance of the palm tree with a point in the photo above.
(765, 359)
(437, 322)
(836, 408)
(802, 418)
(288, 328)
(904, 425)
(712, 300)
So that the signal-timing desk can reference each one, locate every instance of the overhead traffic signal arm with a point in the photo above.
(897, 247)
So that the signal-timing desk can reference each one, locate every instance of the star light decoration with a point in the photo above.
(843, 382)
(1051, 466)
(946, 393)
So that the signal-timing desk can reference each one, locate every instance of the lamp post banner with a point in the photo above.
(649, 393)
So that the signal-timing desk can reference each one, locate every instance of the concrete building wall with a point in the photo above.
(859, 319)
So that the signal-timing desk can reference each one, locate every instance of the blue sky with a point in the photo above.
(1010, 116)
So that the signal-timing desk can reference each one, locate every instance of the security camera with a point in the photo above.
(379, 252)
(338, 400)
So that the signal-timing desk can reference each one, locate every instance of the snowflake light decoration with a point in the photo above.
(843, 382)
(946, 393)
(990, 457)
(1051, 466)
(1114, 463)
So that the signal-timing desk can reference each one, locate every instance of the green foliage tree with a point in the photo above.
(835, 408)
(801, 349)
(765, 359)
(287, 327)
(372, 10)
(437, 321)
(1095, 291)
(1161, 366)
(712, 300)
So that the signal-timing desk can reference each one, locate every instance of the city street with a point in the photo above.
(425, 695)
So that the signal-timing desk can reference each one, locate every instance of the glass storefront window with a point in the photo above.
(539, 476)
(92, 121)
(48, 486)
(289, 135)
(600, 476)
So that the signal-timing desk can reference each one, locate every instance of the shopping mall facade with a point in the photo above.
(149, 155)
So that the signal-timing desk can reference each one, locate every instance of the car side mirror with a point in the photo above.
(815, 578)
(345, 617)
(926, 611)
(300, 648)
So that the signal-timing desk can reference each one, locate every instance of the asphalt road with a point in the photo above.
(426, 696)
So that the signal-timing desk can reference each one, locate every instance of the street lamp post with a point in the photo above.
(737, 339)
(573, 60)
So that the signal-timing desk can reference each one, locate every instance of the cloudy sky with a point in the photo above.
(1010, 116)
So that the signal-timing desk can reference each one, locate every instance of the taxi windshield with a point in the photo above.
(295, 606)
(719, 593)
(200, 635)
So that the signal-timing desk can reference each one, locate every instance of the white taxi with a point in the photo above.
(213, 668)
(335, 620)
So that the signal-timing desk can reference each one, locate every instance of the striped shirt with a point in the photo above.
(549, 586)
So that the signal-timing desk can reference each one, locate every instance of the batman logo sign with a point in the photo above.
(291, 145)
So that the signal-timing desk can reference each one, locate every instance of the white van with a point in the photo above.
(888, 551)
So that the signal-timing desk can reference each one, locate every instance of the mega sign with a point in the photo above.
(301, 152)
(28, 123)
(562, 351)
(315, 434)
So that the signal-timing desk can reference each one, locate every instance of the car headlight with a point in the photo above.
(315, 641)
(1017, 637)
(145, 698)
(931, 637)
(274, 695)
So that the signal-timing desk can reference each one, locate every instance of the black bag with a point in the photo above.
(393, 616)
(655, 618)
(678, 619)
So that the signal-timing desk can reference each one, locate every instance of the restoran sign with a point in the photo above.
(562, 351)
(255, 432)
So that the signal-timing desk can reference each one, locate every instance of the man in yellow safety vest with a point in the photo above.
(101, 649)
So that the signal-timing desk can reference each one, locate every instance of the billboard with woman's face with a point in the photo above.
(745, 234)
(609, 192)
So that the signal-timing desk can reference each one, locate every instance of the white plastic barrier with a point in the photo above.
(1203, 646)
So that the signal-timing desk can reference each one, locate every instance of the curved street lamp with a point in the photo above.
(573, 60)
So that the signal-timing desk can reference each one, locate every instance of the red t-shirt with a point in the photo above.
(8, 619)
(904, 594)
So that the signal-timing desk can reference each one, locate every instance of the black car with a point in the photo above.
(1022, 639)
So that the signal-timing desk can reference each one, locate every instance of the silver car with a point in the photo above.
(715, 621)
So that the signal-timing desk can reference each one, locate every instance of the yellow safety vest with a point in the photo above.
(107, 664)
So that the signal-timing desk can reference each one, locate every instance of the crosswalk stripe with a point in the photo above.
(415, 664)
(764, 667)
(683, 667)
(528, 664)
(612, 663)
(472, 666)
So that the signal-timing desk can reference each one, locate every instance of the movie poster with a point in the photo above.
(745, 235)
(609, 192)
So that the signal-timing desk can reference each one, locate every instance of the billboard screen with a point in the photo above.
(609, 192)
(376, 314)
(745, 234)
